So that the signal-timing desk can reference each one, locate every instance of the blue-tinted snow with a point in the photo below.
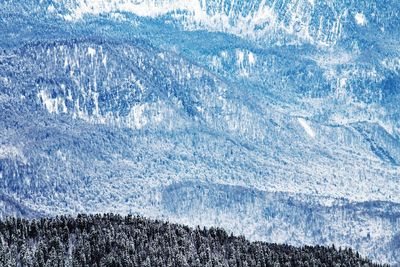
(274, 119)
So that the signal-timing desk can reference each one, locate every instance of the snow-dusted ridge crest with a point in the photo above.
(256, 19)
(323, 23)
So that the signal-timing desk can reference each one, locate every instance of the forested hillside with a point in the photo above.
(113, 240)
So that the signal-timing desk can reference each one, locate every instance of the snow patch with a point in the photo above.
(53, 105)
(12, 152)
(51, 9)
(252, 59)
(240, 57)
(91, 51)
(306, 127)
(139, 119)
(104, 61)
(360, 19)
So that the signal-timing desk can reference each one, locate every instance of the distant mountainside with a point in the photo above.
(113, 240)
(275, 119)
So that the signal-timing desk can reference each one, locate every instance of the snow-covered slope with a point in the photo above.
(274, 119)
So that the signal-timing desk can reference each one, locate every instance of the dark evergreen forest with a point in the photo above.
(114, 240)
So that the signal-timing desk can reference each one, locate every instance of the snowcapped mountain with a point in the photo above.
(274, 119)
